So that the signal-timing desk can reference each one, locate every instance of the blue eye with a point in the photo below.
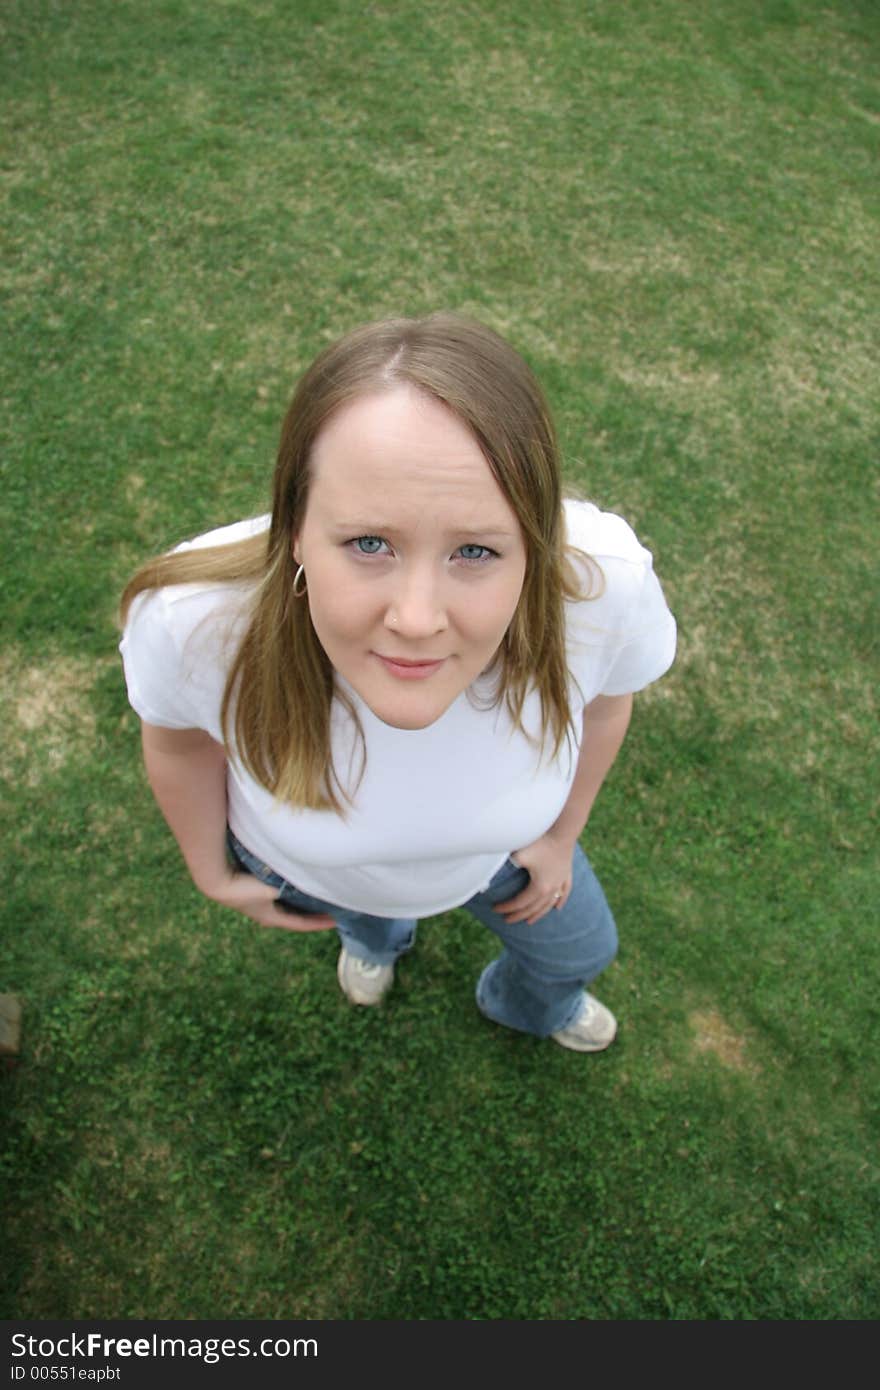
(368, 545)
(475, 554)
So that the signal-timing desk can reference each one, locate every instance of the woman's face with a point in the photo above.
(413, 557)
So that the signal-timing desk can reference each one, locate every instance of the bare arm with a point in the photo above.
(549, 859)
(606, 720)
(186, 770)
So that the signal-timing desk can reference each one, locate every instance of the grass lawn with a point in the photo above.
(672, 210)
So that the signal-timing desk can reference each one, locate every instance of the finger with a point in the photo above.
(280, 914)
(527, 900)
(302, 922)
(522, 911)
(543, 911)
(512, 909)
(513, 904)
(539, 909)
(546, 905)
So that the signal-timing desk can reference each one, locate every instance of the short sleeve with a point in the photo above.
(179, 642)
(621, 635)
(152, 661)
(650, 638)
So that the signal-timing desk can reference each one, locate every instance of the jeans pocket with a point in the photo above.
(507, 881)
(248, 863)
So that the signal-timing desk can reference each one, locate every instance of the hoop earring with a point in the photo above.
(297, 592)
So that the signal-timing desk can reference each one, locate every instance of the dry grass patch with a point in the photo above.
(138, 496)
(660, 257)
(833, 369)
(46, 710)
(712, 1034)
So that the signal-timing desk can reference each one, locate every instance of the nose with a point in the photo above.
(416, 606)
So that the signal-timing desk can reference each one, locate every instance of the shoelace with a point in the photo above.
(366, 967)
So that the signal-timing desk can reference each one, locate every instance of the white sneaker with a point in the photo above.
(361, 981)
(592, 1030)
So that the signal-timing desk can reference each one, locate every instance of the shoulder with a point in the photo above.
(226, 535)
(180, 608)
(610, 561)
(602, 535)
(623, 611)
(201, 620)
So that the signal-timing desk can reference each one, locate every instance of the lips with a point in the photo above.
(406, 669)
(405, 661)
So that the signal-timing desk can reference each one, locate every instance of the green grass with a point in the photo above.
(673, 211)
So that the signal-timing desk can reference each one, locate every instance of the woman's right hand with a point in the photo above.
(257, 900)
(187, 772)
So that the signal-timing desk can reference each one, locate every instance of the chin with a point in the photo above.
(406, 719)
(405, 713)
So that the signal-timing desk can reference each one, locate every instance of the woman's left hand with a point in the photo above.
(549, 862)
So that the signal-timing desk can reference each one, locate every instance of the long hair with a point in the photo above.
(281, 684)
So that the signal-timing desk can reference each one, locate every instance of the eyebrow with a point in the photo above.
(376, 528)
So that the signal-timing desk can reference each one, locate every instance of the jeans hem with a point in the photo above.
(522, 1027)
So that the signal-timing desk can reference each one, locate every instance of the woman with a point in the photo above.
(402, 693)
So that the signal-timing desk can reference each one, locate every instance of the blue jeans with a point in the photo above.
(536, 983)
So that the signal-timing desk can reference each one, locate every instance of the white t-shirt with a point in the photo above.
(438, 809)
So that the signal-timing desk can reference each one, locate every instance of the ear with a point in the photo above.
(294, 550)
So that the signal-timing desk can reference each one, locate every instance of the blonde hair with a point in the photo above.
(281, 682)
